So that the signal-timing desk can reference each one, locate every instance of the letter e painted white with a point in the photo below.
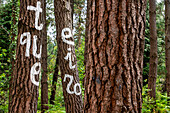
(35, 72)
(64, 37)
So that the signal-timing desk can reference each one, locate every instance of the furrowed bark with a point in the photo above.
(54, 82)
(63, 18)
(114, 62)
(153, 49)
(44, 79)
(24, 93)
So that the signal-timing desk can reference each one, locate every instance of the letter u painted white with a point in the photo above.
(28, 41)
(35, 48)
(69, 35)
(35, 72)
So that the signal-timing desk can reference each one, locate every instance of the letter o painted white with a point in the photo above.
(75, 90)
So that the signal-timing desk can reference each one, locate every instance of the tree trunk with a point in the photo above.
(114, 63)
(67, 57)
(28, 56)
(79, 30)
(167, 44)
(72, 8)
(14, 8)
(44, 79)
(55, 77)
(153, 49)
(86, 34)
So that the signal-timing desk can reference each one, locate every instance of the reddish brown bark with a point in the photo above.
(167, 44)
(44, 79)
(63, 18)
(153, 49)
(24, 93)
(114, 62)
(54, 82)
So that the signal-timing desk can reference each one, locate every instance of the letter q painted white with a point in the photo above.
(28, 41)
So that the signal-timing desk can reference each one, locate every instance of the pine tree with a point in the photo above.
(28, 57)
(153, 49)
(66, 56)
(114, 56)
(44, 79)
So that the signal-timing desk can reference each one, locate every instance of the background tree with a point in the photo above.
(54, 83)
(114, 63)
(167, 44)
(63, 18)
(44, 78)
(153, 49)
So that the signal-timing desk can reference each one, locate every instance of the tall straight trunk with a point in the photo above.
(44, 83)
(79, 30)
(67, 57)
(28, 56)
(114, 63)
(14, 8)
(72, 8)
(54, 82)
(86, 34)
(167, 44)
(153, 49)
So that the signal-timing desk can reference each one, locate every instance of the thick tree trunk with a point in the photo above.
(114, 64)
(44, 79)
(153, 49)
(67, 57)
(28, 54)
(54, 82)
(167, 44)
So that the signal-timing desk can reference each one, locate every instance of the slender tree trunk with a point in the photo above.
(79, 30)
(67, 57)
(114, 63)
(72, 8)
(87, 34)
(153, 49)
(14, 5)
(28, 56)
(167, 44)
(44, 79)
(54, 82)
